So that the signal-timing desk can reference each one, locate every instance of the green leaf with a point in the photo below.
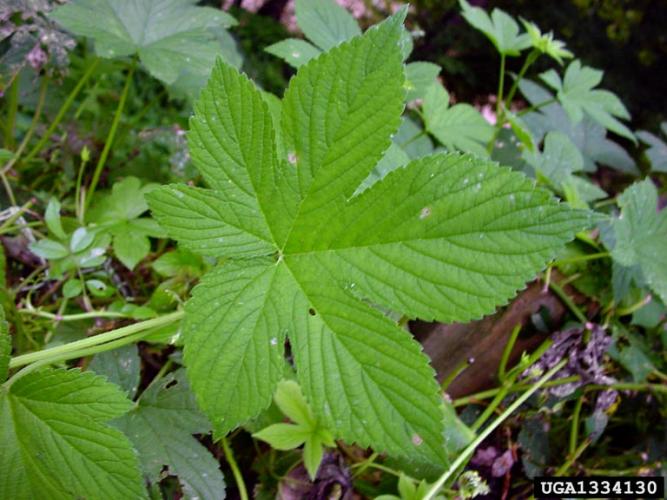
(52, 219)
(174, 39)
(577, 93)
(657, 151)
(641, 235)
(460, 127)
(5, 346)
(447, 237)
(120, 366)
(179, 262)
(589, 137)
(49, 249)
(283, 436)
(294, 51)
(130, 247)
(325, 23)
(55, 441)
(291, 402)
(545, 42)
(419, 76)
(161, 426)
(125, 202)
(500, 28)
(559, 159)
(72, 288)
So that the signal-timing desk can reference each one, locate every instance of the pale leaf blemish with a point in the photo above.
(425, 212)
(291, 157)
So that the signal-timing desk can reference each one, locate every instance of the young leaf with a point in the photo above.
(641, 235)
(294, 51)
(161, 426)
(55, 442)
(460, 127)
(577, 94)
(500, 28)
(171, 37)
(325, 23)
(559, 159)
(446, 237)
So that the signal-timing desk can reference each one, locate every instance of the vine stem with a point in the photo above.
(530, 59)
(238, 477)
(110, 138)
(72, 317)
(63, 109)
(74, 349)
(465, 454)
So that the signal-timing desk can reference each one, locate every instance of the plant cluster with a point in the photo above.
(244, 303)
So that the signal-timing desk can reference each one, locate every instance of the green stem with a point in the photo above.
(469, 450)
(63, 109)
(238, 477)
(574, 430)
(515, 388)
(532, 57)
(537, 106)
(110, 137)
(7, 224)
(35, 119)
(73, 317)
(626, 311)
(452, 376)
(12, 110)
(501, 87)
(507, 351)
(572, 458)
(582, 258)
(103, 338)
(555, 287)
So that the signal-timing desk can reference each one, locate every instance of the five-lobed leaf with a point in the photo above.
(56, 443)
(447, 237)
(577, 93)
(174, 39)
(161, 426)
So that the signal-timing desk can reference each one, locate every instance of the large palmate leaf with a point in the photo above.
(176, 41)
(446, 237)
(460, 127)
(161, 426)
(577, 93)
(55, 442)
(640, 235)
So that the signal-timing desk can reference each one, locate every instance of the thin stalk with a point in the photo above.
(574, 429)
(110, 137)
(501, 87)
(73, 317)
(515, 388)
(11, 219)
(452, 376)
(63, 109)
(582, 258)
(238, 477)
(35, 119)
(572, 458)
(103, 338)
(469, 450)
(555, 287)
(362, 466)
(530, 59)
(78, 201)
(12, 110)
(537, 106)
(626, 311)
(507, 351)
